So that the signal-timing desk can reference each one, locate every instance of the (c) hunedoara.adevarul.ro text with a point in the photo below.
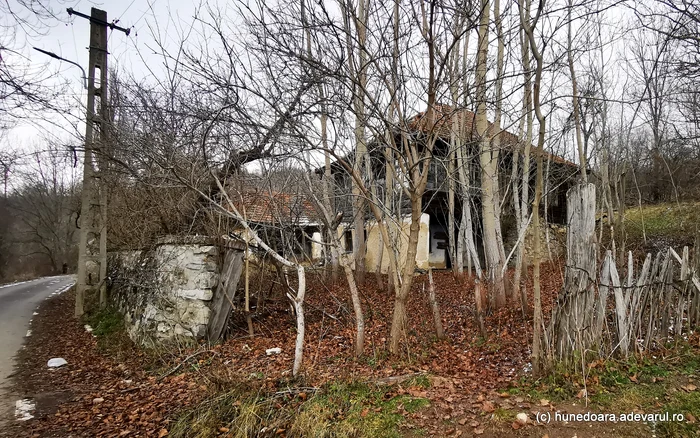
(548, 417)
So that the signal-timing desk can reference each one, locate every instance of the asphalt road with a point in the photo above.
(18, 302)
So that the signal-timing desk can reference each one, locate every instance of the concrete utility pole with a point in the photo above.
(92, 259)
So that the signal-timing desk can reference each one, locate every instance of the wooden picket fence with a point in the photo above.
(609, 314)
(660, 303)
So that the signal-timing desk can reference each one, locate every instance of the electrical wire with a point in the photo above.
(127, 9)
(150, 8)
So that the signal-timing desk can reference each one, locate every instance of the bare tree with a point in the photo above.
(521, 185)
(24, 86)
(574, 94)
(355, 23)
(325, 205)
(8, 161)
(45, 204)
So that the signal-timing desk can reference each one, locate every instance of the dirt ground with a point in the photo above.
(120, 390)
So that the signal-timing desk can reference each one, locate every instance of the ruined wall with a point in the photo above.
(164, 292)
(375, 245)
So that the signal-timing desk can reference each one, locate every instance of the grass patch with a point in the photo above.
(108, 326)
(339, 409)
(421, 381)
(105, 322)
(503, 415)
(241, 411)
(628, 398)
(650, 385)
(555, 386)
(663, 224)
(687, 404)
(354, 409)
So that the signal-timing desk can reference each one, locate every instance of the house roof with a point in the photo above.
(276, 208)
(447, 118)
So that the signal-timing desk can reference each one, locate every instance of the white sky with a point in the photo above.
(69, 36)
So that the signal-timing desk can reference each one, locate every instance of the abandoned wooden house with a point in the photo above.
(433, 241)
(291, 224)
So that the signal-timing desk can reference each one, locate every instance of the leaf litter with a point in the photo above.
(135, 399)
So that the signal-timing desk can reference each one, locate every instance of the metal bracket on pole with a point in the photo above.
(98, 21)
(55, 56)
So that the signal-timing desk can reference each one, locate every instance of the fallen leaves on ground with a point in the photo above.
(118, 397)
(102, 397)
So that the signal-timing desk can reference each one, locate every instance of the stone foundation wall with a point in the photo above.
(552, 238)
(165, 292)
(553, 241)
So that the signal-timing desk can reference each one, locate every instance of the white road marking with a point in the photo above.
(24, 409)
(55, 279)
(65, 288)
(14, 284)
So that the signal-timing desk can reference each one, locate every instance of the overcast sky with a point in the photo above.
(68, 36)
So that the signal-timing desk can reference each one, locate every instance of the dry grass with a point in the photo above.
(340, 409)
(661, 225)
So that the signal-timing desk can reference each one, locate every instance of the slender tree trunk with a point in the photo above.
(528, 26)
(399, 280)
(525, 181)
(451, 204)
(467, 223)
(496, 141)
(605, 164)
(418, 161)
(298, 301)
(467, 229)
(249, 319)
(357, 66)
(574, 86)
(458, 266)
(514, 178)
(439, 331)
(398, 322)
(464, 158)
(330, 237)
(488, 159)
(346, 264)
(537, 305)
(356, 304)
(391, 204)
(545, 208)
(328, 187)
(378, 265)
(456, 241)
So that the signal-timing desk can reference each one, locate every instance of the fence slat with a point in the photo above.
(675, 255)
(623, 337)
(639, 295)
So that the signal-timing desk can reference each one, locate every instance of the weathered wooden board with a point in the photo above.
(225, 292)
